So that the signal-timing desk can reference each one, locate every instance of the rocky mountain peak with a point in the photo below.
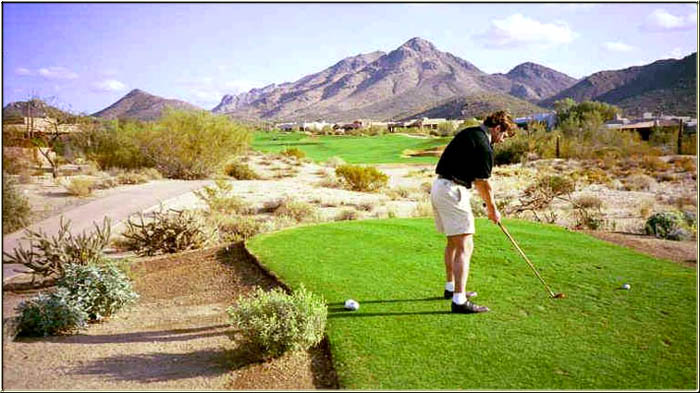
(419, 45)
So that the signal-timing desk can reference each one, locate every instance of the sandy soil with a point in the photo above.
(175, 338)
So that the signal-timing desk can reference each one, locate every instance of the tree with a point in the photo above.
(44, 129)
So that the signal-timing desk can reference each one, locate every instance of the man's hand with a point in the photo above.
(494, 215)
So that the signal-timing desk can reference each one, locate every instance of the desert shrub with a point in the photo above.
(240, 171)
(50, 255)
(646, 207)
(684, 164)
(238, 228)
(367, 206)
(101, 290)
(50, 314)
(329, 180)
(423, 209)
(167, 232)
(589, 201)
(294, 152)
(132, 177)
(639, 182)
(297, 210)
(587, 212)
(347, 215)
(539, 195)
(16, 160)
(667, 225)
(218, 199)
(274, 322)
(654, 164)
(192, 144)
(79, 186)
(335, 161)
(395, 193)
(511, 151)
(360, 178)
(15, 207)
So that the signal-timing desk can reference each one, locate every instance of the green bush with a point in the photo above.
(50, 314)
(15, 207)
(511, 151)
(669, 225)
(114, 144)
(240, 171)
(168, 232)
(192, 144)
(49, 255)
(361, 178)
(294, 152)
(274, 322)
(101, 290)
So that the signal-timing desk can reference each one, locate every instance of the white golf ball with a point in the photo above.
(351, 305)
(625, 286)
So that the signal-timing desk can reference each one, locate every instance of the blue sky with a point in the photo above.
(84, 57)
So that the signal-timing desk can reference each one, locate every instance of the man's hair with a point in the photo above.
(503, 119)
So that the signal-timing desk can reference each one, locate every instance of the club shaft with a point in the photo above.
(526, 259)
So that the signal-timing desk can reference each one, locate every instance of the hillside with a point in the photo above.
(478, 105)
(139, 105)
(667, 86)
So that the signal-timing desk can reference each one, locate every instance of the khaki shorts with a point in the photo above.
(452, 208)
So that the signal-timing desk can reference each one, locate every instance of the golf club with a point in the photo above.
(552, 294)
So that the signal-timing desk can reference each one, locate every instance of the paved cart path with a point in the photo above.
(118, 207)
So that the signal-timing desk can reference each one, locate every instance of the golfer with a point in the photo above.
(466, 163)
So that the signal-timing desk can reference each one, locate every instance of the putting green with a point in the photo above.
(403, 336)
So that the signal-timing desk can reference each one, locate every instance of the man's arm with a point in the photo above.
(484, 188)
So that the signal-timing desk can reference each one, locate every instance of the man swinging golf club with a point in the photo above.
(466, 161)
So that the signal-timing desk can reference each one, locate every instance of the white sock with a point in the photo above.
(459, 298)
(450, 286)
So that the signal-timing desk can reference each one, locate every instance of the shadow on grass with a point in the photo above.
(337, 309)
(351, 314)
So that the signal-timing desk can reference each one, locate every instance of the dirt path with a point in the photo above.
(684, 252)
(176, 337)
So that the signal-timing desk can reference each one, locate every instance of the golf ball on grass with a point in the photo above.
(351, 305)
(626, 286)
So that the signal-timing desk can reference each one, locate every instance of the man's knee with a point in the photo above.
(461, 243)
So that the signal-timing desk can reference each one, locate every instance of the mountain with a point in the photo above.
(139, 105)
(534, 82)
(38, 108)
(413, 78)
(667, 86)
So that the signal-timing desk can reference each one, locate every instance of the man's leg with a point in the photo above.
(460, 247)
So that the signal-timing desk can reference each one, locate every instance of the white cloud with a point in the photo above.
(662, 20)
(23, 71)
(518, 30)
(108, 85)
(57, 73)
(618, 47)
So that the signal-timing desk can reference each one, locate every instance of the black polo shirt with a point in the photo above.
(467, 157)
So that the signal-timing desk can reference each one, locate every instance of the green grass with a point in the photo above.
(383, 149)
(403, 336)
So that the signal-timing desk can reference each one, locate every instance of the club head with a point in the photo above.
(559, 296)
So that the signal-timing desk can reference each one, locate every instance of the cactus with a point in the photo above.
(47, 256)
(168, 232)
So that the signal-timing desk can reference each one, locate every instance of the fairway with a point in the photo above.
(385, 149)
(403, 336)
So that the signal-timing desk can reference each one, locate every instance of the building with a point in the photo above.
(549, 119)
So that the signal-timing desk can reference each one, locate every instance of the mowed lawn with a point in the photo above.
(403, 336)
(383, 149)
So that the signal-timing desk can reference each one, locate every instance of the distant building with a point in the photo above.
(549, 119)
